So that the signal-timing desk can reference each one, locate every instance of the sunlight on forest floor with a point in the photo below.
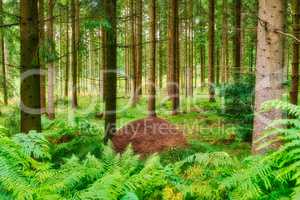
(206, 127)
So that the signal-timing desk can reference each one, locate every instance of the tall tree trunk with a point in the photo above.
(79, 59)
(126, 56)
(61, 52)
(211, 50)
(224, 56)
(42, 59)
(237, 40)
(3, 56)
(74, 55)
(67, 53)
(134, 74)
(104, 60)
(51, 69)
(151, 82)
(174, 56)
(110, 85)
(30, 83)
(139, 45)
(285, 43)
(202, 70)
(190, 68)
(269, 72)
(160, 54)
(295, 65)
(218, 66)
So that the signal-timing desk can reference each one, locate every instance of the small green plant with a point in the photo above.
(239, 104)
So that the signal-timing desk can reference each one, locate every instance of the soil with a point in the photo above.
(148, 136)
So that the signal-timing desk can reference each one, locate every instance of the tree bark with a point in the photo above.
(74, 55)
(224, 49)
(42, 59)
(3, 61)
(211, 49)
(295, 65)
(30, 83)
(51, 69)
(79, 60)
(160, 52)
(110, 85)
(104, 60)
(237, 40)
(190, 68)
(202, 63)
(174, 56)
(67, 53)
(134, 74)
(269, 72)
(139, 45)
(152, 67)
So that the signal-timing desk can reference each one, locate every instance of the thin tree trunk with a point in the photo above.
(211, 49)
(51, 69)
(67, 53)
(190, 50)
(110, 85)
(295, 65)
(126, 56)
(160, 54)
(79, 59)
(285, 43)
(104, 59)
(202, 70)
(237, 40)
(151, 82)
(42, 59)
(174, 56)
(3, 57)
(269, 71)
(134, 74)
(30, 84)
(139, 45)
(74, 55)
(218, 66)
(61, 52)
(224, 56)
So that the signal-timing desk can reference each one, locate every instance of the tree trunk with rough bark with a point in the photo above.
(224, 49)
(42, 41)
(3, 61)
(74, 55)
(152, 67)
(110, 85)
(190, 68)
(211, 50)
(295, 64)
(202, 63)
(237, 41)
(134, 74)
(30, 78)
(51, 69)
(173, 82)
(139, 45)
(67, 69)
(269, 70)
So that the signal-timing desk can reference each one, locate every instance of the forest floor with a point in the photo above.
(205, 127)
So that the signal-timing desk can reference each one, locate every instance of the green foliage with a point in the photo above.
(76, 137)
(68, 161)
(239, 104)
(12, 121)
(33, 145)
